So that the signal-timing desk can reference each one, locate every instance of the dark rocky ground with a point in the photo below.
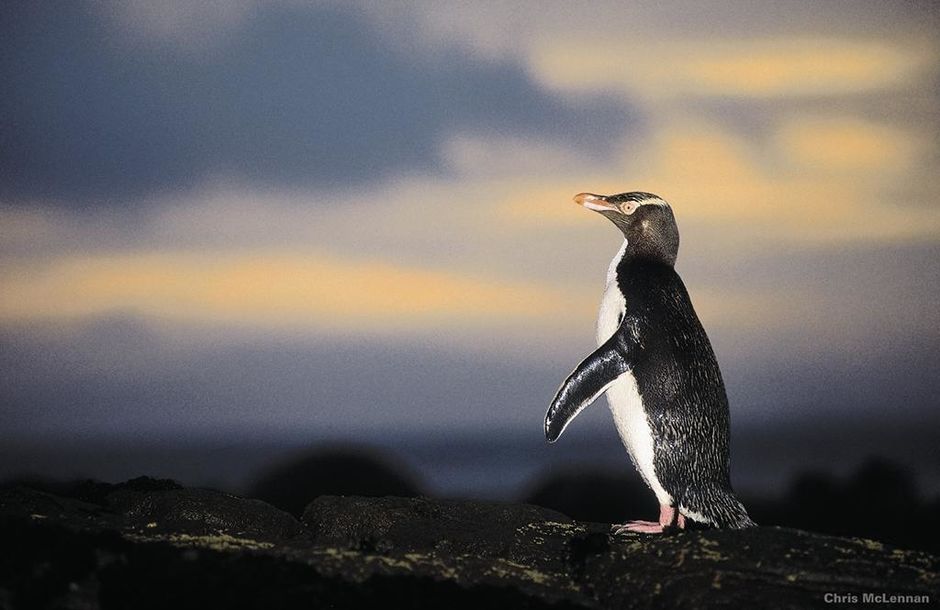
(153, 544)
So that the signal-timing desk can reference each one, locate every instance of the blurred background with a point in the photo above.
(286, 248)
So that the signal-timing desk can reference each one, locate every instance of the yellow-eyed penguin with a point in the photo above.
(660, 374)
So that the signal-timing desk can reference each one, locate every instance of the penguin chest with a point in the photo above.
(611, 312)
(623, 396)
(626, 406)
(613, 305)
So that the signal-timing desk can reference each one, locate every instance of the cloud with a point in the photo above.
(268, 289)
(513, 29)
(850, 144)
(719, 178)
(294, 96)
(826, 181)
(496, 245)
(803, 67)
(786, 67)
(196, 27)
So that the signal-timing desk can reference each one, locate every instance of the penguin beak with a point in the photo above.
(598, 203)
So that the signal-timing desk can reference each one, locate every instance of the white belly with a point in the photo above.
(623, 396)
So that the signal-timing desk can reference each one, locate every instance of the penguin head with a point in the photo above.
(646, 220)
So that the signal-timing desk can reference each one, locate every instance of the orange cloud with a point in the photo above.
(802, 67)
(847, 144)
(268, 289)
(716, 177)
(784, 67)
(824, 181)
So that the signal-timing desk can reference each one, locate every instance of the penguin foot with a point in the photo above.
(670, 520)
(639, 527)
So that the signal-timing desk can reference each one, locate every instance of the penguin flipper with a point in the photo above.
(590, 379)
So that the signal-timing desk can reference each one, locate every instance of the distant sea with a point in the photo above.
(499, 465)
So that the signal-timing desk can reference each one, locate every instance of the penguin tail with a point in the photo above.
(740, 521)
(719, 508)
(731, 514)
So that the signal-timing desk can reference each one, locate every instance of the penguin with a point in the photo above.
(657, 367)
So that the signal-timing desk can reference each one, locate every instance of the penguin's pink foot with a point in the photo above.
(669, 519)
(639, 527)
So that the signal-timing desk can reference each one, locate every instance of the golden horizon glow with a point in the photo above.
(266, 288)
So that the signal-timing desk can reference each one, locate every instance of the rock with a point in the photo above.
(202, 512)
(147, 545)
(547, 555)
(98, 492)
(153, 507)
(35, 506)
(485, 529)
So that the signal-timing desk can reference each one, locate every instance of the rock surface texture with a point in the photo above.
(154, 544)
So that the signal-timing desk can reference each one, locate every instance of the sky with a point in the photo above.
(341, 219)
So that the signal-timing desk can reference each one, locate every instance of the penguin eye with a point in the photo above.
(629, 207)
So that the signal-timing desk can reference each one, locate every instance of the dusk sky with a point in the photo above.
(332, 219)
